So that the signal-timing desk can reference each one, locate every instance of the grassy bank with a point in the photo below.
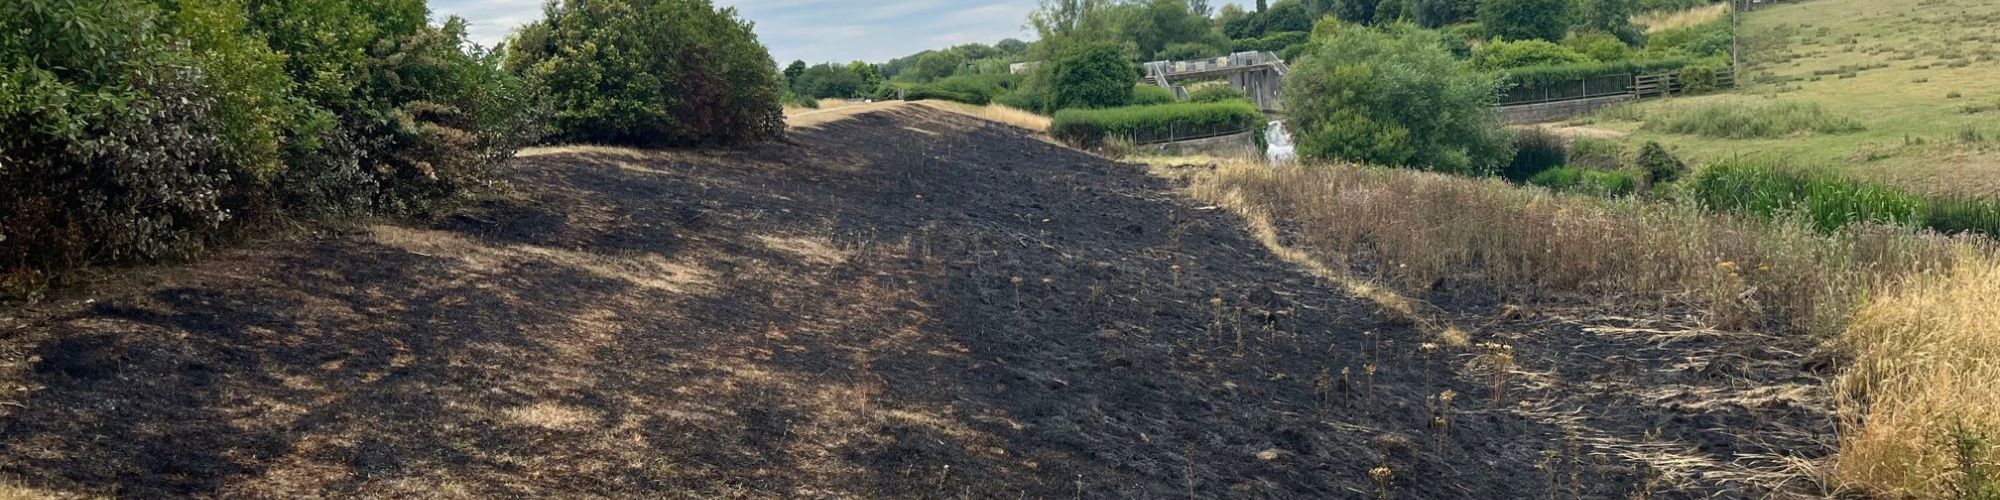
(1904, 70)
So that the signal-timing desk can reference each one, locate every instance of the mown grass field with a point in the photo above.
(1921, 77)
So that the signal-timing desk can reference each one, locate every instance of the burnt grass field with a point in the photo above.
(905, 303)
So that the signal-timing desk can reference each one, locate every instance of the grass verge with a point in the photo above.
(1920, 409)
(1749, 120)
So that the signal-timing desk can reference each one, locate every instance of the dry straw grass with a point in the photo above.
(1921, 403)
(1659, 20)
(1413, 229)
(997, 113)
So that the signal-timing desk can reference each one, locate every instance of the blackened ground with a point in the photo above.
(905, 303)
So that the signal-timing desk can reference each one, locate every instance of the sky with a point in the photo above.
(814, 31)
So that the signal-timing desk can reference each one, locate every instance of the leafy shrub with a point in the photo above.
(1217, 93)
(1550, 75)
(1587, 181)
(1150, 95)
(1700, 78)
(1504, 55)
(1710, 39)
(1535, 150)
(665, 72)
(1745, 120)
(1092, 127)
(1599, 46)
(1591, 152)
(1525, 19)
(1091, 75)
(1393, 97)
(969, 89)
(1659, 165)
(1273, 42)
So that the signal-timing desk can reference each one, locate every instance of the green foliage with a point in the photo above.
(1091, 75)
(1659, 165)
(1153, 26)
(1287, 15)
(1829, 202)
(1587, 181)
(1599, 46)
(1150, 95)
(1500, 54)
(1273, 42)
(1440, 13)
(829, 80)
(1749, 120)
(1391, 11)
(1613, 17)
(1217, 93)
(1549, 75)
(665, 72)
(1703, 77)
(1393, 97)
(1354, 11)
(938, 65)
(1591, 152)
(1525, 19)
(1092, 127)
(134, 131)
(1710, 39)
(1535, 151)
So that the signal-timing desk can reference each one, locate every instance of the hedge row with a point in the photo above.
(1091, 127)
(1564, 73)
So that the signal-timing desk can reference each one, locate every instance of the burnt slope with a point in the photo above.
(906, 303)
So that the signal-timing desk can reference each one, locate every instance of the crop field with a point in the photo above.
(1918, 80)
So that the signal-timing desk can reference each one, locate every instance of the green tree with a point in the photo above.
(653, 72)
(938, 65)
(1525, 19)
(1439, 13)
(1354, 11)
(826, 80)
(1393, 97)
(1092, 75)
(793, 71)
(1154, 25)
(1610, 16)
(871, 77)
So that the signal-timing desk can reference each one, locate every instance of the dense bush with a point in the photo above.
(1547, 75)
(1535, 150)
(1525, 19)
(1393, 97)
(1151, 95)
(1091, 75)
(1711, 39)
(969, 89)
(1749, 120)
(1599, 46)
(1273, 42)
(651, 72)
(1703, 77)
(1500, 54)
(1587, 181)
(1659, 165)
(135, 131)
(1091, 127)
(1217, 93)
(1591, 152)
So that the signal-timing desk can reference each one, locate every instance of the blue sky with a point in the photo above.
(814, 30)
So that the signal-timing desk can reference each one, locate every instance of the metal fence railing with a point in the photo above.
(1184, 133)
(1585, 88)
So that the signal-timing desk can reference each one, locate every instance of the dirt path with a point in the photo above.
(902, 303)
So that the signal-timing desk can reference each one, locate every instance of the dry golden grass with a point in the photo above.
(1659, 20)
(997, 113)
(1920, 404)
(1920, 407)
(1413, 229)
